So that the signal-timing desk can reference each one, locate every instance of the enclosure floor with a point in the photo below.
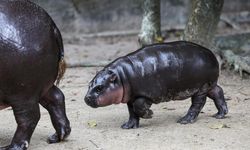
(161, 132)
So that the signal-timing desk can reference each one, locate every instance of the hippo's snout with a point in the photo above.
(90, 101)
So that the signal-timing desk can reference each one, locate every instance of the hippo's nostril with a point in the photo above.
(89, 101)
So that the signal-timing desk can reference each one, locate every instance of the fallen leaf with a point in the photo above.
(92, 123)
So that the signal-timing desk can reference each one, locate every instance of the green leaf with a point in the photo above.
(92, 123)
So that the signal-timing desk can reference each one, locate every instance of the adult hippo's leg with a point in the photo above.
(133, 121)
(54, 102)
(217, 95)
(27, 115)
(198, 101)
(2, 104)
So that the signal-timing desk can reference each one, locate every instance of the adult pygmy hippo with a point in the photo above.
(31, 59)
(159, 73)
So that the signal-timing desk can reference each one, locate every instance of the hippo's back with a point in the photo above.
(29, 52)
(24, 24)
(160, 69)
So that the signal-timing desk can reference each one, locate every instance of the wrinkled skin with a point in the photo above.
(30, 50)
(107, 90)
(159, 73)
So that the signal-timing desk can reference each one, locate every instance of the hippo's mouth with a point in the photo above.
(92, 103)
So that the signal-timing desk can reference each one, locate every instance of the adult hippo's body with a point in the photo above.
(31, 59)
(159, 73)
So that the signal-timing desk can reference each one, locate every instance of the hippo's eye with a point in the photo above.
(99, 88)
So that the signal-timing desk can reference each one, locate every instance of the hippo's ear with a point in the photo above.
(112, 76)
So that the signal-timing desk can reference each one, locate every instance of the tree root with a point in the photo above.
(238, 43)
(239, 63)
(235, 51)
(230, 22)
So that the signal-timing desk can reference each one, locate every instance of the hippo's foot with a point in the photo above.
(188, 118)
(53, 101)
(22, 146)
(219, 115)
(55, 138)
(132, 123)
(217, 95)
(198, 101)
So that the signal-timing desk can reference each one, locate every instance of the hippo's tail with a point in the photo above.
(62, 64)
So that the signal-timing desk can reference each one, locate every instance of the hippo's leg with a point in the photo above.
(198, 101)
(217, 95)
(27, 115)
(54, 102)
(133, 121)
(141, 107)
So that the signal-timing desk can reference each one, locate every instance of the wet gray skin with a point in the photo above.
(159, 73)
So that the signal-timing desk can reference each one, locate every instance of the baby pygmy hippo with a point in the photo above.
(159, 73)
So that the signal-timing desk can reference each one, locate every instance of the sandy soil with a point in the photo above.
(161, 132)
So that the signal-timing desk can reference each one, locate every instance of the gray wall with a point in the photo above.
(92, 16)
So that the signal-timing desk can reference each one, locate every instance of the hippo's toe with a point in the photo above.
(58, 137)
(132, 123)
(22, 146)
(219, 115)
(189, 118)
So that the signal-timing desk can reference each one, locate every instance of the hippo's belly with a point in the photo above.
(185, 94)
(181, 95)
(173, 94)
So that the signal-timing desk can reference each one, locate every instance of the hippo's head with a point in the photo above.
(105, 89)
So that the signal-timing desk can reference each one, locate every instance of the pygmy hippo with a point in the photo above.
(31, 60)
(159, 73)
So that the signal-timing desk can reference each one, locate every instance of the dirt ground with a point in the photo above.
(161, 132)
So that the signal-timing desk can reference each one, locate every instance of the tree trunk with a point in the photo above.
(151, 23)
(201, 27)
(203, 21)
